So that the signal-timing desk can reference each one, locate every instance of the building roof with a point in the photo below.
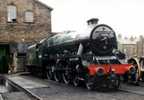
(44, 4)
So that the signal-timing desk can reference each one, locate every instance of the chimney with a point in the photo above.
(92, 22)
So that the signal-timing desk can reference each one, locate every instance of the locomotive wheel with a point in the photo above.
(50, 73)
(142, 68)
(57, 76)
(89, 85)
(66, 77)
(137, 77)
(76, 76)
(136, 64)
(58, 73)
(143, 78)
(76, 81)
(115, 84)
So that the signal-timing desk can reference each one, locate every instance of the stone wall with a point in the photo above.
(30, 32)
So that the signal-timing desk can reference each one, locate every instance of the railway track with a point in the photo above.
(141, 84)
(132, 89)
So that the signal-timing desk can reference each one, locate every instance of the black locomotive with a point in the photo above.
(89, 57)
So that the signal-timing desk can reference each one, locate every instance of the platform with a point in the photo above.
(26, 83)
(1, 97)
(3, 89)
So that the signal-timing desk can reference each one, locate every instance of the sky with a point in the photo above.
(126, 17)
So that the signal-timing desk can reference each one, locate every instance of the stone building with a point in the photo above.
(128, 47)
(132, 47)
(22, 22)
(140, 46)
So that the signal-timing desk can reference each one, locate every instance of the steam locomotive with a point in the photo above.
(90, 57)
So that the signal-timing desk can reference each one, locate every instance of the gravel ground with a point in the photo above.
(133, 88)
(59, 91)
(15, 96)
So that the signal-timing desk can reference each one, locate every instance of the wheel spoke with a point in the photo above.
(57, 76)
(50, 73)
(66, 75)
(66, 78)
(89, 85)
(76, 81)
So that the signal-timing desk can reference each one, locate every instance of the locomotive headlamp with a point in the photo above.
(113, 70)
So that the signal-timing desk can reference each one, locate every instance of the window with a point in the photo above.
(12, 13)
(29, 16)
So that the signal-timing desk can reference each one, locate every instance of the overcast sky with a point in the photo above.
(124, 16)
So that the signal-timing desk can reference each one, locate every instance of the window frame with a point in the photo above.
(25, 18)
(12, 20)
